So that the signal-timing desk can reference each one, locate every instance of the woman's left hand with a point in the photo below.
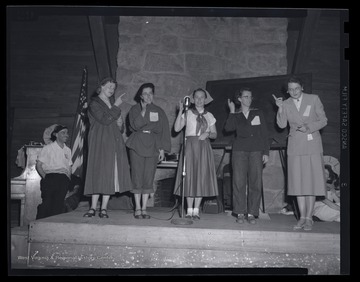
(265, 159)
(303, 128)
(204, 136)
(118, 100)
(119, 122)
(161, 155)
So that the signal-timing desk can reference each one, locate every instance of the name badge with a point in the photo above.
(307, 111)
(255, 121)
(154, 116)
(309, 137)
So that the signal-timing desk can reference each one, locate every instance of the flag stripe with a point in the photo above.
(79, 130)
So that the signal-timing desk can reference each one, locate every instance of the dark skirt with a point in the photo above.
(200, 173)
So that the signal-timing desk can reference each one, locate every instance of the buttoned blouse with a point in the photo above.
(298, 102)
(56, 159)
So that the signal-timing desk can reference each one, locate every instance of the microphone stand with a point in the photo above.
(183, 220)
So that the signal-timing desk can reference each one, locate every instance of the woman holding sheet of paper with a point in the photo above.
(306, 177)
(249, 152)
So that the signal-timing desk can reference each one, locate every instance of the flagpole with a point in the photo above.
(79, 129)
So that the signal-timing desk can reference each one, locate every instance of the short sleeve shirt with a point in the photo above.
(191, 123)
(56, 159)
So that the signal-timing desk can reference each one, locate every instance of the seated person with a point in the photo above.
(54, 166)
(328, 209)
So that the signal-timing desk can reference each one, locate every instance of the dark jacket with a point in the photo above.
(149, 133)
(251, 133)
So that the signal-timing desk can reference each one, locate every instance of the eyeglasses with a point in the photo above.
(297, 89)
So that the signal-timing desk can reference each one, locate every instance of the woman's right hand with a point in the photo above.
(143, 107)
(118, 100)
(278, 101)
(181, 107)
(231, 106)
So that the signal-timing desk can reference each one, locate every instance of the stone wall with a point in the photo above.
(180, 54)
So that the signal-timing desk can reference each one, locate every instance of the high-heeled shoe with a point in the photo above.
(137, 214)
(308, 224)
(103, 214)
(90, 213)
(144, 214)
(300, 224)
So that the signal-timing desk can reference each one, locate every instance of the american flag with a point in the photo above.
(79, 130)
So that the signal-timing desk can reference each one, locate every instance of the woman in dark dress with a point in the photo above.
(108, 169)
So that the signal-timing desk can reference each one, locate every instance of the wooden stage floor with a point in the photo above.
(216, 241)
(161, 217)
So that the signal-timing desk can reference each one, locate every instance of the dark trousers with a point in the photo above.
(247, 171)
(142, 173)
(53, 191)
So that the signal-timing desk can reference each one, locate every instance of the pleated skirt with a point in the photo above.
(200, 173)
(306, 175)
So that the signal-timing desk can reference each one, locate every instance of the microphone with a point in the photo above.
(186, 102)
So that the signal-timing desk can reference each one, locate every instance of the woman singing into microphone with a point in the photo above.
(200, 179)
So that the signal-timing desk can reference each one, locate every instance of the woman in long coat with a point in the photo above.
(108, 169)
(306, 177)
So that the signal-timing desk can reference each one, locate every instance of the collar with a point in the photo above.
(250, 109)
(99, 99)
(196, 112)
(299, 99)
(55, 143)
